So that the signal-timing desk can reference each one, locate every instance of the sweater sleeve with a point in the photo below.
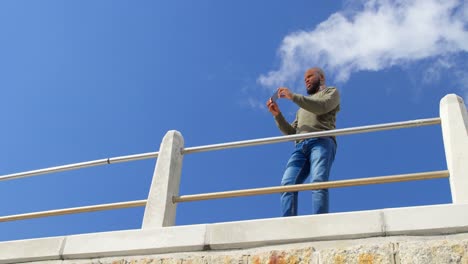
(284, 126)
(327, 101)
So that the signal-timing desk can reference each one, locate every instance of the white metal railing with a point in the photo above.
(334, 132)
(236, 144)
(313, 186)
(74, 210)
(164, 191)
(80, 165)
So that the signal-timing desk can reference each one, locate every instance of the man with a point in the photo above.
(314, 156)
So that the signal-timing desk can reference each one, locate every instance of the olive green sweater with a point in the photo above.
(317, 112)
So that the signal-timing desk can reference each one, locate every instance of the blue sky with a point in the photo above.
(86, 80)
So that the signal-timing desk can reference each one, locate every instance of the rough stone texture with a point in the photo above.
(152, 260)
(294, 256)
(227, 259)
(363, 254)
(443, 249)
(47, 262)
(287, 256)
(428, 252)
(391, 250)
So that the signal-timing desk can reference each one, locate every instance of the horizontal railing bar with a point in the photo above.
(313, 186)
(80, 165)
(148, 155)
(244, 143)
(334, 132)
(74, 210)
(237, 193)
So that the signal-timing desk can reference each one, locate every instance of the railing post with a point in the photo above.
(160, 211)
(454, 122)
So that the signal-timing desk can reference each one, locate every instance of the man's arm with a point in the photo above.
(317, 105)
(283, 125)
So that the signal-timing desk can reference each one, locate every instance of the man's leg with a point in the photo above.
(321, 159)
(297, 170)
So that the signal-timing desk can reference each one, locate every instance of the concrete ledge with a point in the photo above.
(136, 242)
(427, 220)
(31, 250)
(197, 239)
(295, 229)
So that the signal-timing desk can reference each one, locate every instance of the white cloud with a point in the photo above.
(455, 70)
(461, 77)
(255, 104)
(381, 34)
(433, 72)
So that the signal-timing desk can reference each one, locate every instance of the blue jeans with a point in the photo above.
(312, 157)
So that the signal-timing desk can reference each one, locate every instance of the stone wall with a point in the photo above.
(392, 250)
(424, 234)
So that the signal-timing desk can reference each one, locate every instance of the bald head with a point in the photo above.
(314, 78)
(320, 72)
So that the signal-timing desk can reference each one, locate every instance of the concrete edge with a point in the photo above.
(31, 250)
(410, 221)
(254, 233)
(136, 242)
(427, 220)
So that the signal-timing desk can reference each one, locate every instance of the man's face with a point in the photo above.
(312, 81)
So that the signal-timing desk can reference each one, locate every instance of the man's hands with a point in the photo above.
(273, 107)
(283, 92)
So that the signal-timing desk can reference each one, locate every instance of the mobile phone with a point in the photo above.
(274, 97)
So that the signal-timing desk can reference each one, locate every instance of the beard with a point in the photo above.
(313, 88)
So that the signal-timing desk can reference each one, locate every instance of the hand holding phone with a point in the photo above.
(274, 97)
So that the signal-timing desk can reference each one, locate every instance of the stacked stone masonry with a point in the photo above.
(383, 250)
